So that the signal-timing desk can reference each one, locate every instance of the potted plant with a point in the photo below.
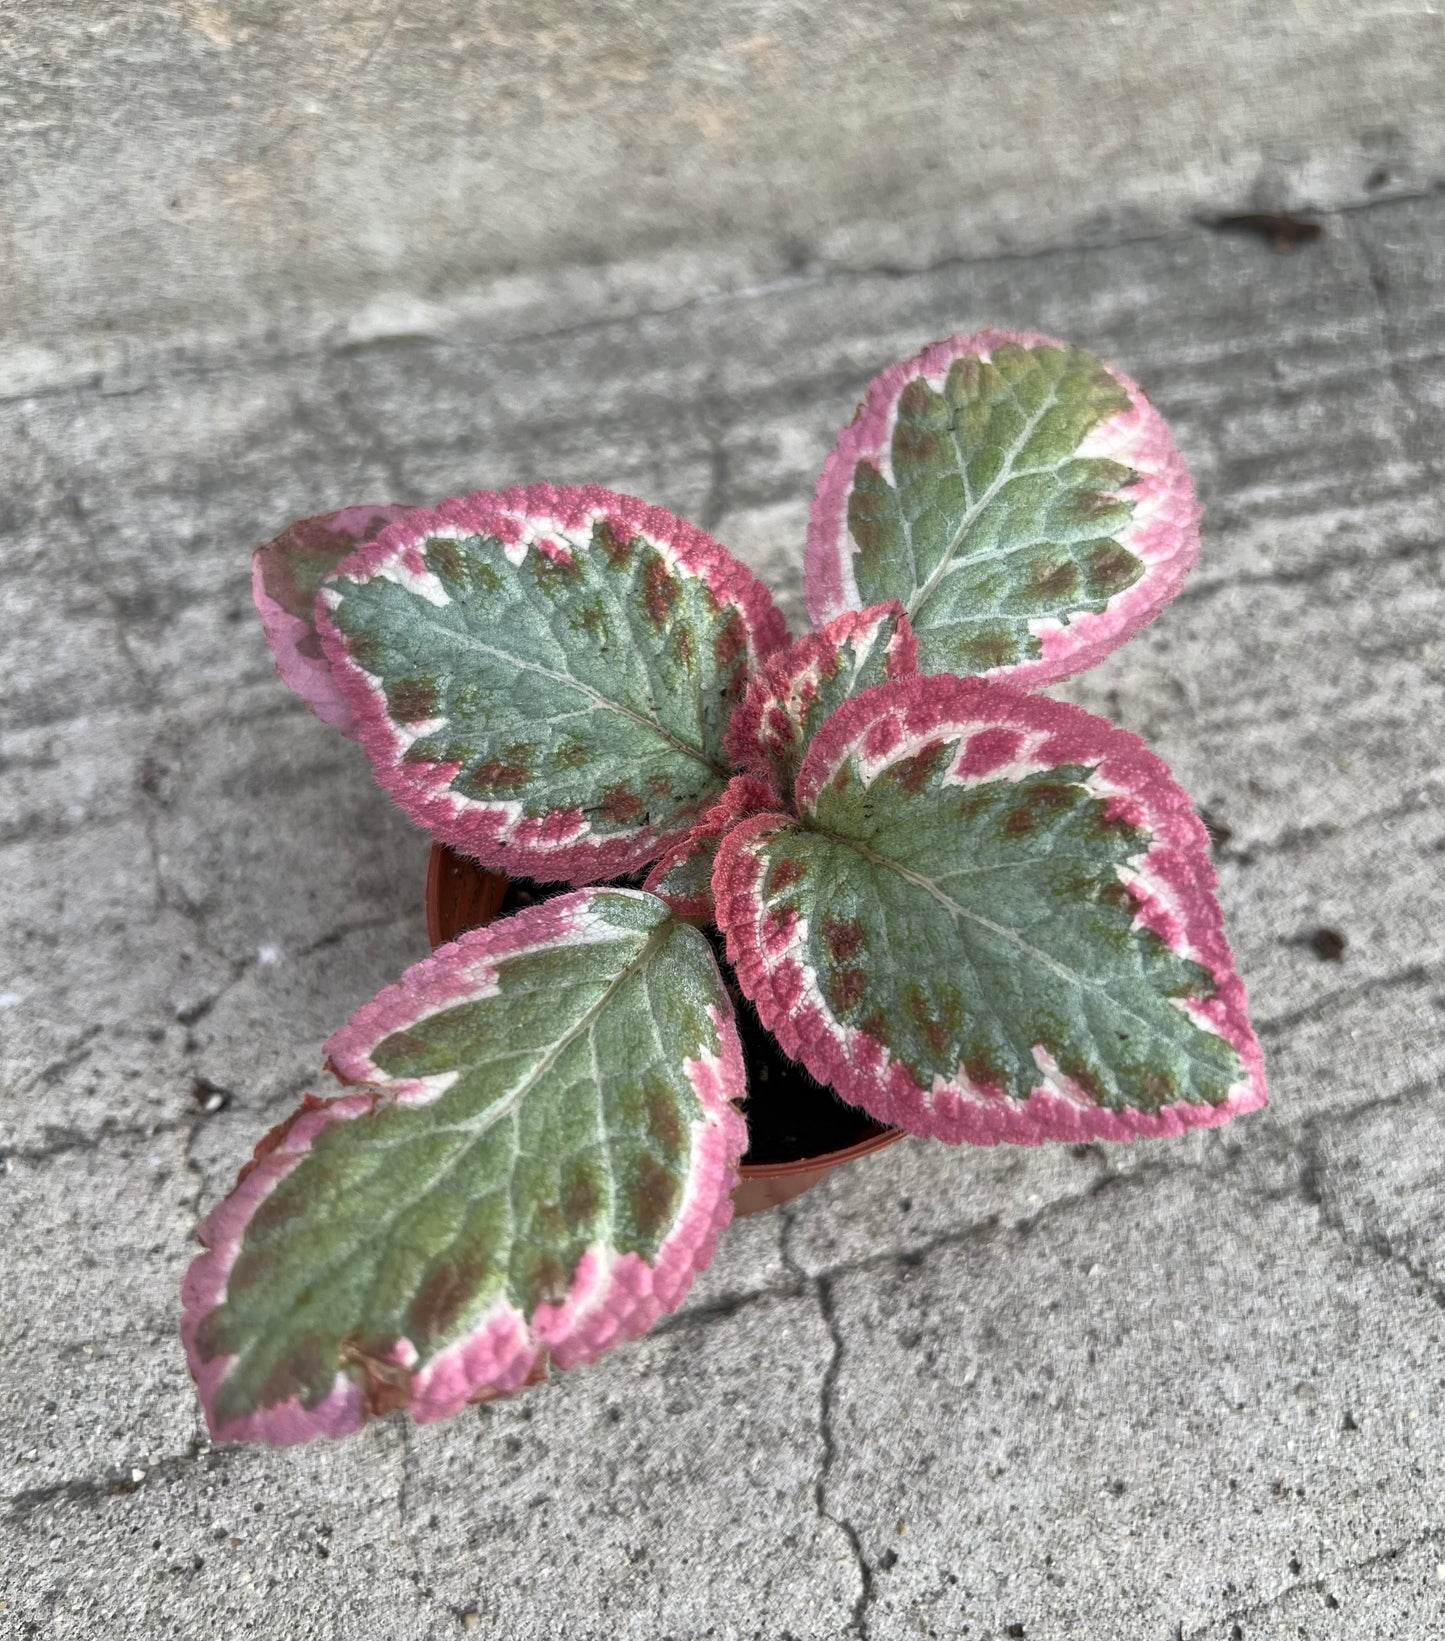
(974, 912)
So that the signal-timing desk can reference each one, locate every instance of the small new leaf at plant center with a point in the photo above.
(537, 1162)
(1023, 501)
(801, 687)
(285, 576)
(991, 918)
(683, 877)
(544, 678)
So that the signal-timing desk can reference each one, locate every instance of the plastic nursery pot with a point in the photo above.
(461, 895)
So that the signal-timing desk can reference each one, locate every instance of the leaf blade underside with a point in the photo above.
(285, 576)
(538, 1161)
(1024, 502)
(992, 919)
(544, 677)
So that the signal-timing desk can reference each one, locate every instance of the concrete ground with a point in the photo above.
(1192, 1391)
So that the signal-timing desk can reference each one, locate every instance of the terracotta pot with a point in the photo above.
(460, 895)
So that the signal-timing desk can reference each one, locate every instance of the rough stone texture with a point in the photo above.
(1176, 1390)
(374, 167)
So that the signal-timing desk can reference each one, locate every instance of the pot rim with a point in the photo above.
(441, 854)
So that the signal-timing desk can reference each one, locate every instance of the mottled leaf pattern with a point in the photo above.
(978, 913)
(801, 687)
(683, 876)
(544, 677)
(538, 1161)
(285, 576)
(992, 919)
(1024, 502)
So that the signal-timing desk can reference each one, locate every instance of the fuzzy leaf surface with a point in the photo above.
(801, 687)
(285, 576)
(1023, 501)
(538, 1160)
(544, 677)
(683, 876)
(992, 918)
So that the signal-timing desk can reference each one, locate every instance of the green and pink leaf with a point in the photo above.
(801, 687)
(285, 576)
(543, 678)
(538, 1159)
(1024, 502)
(993, 917)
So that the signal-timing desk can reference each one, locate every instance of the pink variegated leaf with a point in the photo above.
(1024, 502)
(801, 687)
(537, 1160)
(683, 876)
(285, 576)
(544, 677)
(992, 917)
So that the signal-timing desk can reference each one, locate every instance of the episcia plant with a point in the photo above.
(976, 912)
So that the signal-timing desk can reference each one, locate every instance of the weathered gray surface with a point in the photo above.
(1192, 1389)
(195, 170)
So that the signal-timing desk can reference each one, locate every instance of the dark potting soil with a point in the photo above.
(790, 1114)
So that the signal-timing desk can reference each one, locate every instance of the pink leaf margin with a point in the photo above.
(1163, 532)
(1000, 733)
(612, 1297)
(557, 846)
(767, 723)
(204, 1289)
(291, 636)
(466, 969)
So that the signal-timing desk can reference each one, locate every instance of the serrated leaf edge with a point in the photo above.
(204, 1289)
(612, 1298)
(1163, 531)
(1173, 884)
(496, 832)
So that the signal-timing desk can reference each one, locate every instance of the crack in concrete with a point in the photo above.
(1314, 1189)
(1295, 838)
(1226, 1158)
(426, 1593)
(75, 1055)
(194, 1013)
(827, 1391)
(64, 1141)
(822, 1292)
(1239, 1616)
(344, 931)
(1425, 972)
(716, 503)
(193, 1167)
(240, 967)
